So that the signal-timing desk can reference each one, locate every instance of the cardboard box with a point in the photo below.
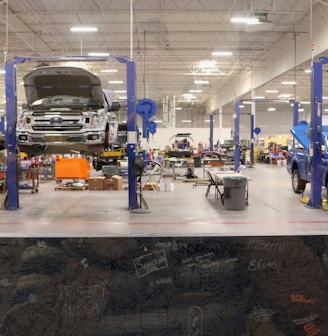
(96, 183)
(113, 183)
(166, 184)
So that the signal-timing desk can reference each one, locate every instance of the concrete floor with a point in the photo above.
(274, 209)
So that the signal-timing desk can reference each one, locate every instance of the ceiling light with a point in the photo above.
(271, 109)
(122, 97)
(98, 54)
(186, 121)
(158, 121)
(307, 70)
(285, 95)
(120, 91)
(196, 91)
(241, 106)
(300, 110)
(178, 108)
(288, 83)
(259, 97)
(222, 53)
(207, 64)
(201, 82)
(83, 29)
(247, 20)
(115, 82)
(305, 102)
(271, 91)
(109, 70)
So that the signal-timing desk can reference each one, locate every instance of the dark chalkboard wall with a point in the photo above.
(199, 286)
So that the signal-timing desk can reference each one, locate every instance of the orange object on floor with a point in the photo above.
(72, 168)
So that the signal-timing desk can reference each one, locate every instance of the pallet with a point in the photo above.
(70, 188)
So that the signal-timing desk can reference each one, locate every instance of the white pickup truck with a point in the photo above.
(67, 111)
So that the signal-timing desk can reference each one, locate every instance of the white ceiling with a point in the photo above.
(170, 38)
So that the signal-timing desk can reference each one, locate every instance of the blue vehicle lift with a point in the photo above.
(237, 125)
(12, 201)
(316, 139)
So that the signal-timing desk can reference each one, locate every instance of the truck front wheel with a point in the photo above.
(297, 183)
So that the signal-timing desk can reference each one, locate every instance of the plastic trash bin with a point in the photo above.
(197, 161)
(234, 191)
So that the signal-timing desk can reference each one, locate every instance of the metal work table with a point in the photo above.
(216, 178)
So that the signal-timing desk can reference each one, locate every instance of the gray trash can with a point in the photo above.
(234, 190)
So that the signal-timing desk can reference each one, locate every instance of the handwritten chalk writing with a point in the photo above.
(71, 292)
(41, 244)
(260, 264)
(157, 320)
(311, 329)
(259, 244)
(149, 263)
(301, 299)
(4, 283)
(3, 330)
(305, 319)
(207, 261)
(195, 322)
(163, 281)
(260, 314)
(174, 245)
(33, 298)
(70, 310)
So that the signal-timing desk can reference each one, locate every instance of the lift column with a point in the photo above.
(12, 202)
(236, 116)
(132, 136)
(316, 138)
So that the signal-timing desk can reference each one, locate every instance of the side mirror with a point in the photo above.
(114, 107)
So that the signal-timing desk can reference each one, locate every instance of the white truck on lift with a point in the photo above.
(67, 110)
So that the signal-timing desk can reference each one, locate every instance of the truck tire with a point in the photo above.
(297, 183)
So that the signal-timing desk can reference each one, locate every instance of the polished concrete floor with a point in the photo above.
(274, 209)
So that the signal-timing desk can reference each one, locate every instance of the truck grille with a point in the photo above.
(57, 122)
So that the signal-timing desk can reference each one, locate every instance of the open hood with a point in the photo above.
(302, 134)
(52, 81)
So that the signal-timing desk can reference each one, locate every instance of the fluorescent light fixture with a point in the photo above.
(186, 121)
(178, 108)
(247, 20)
(248, 102)
(122, 97)
(108, 70)
(98, 54)
(115, 82)
(271, 109)
(301, 110)
(324, 97)
(288, 83)
(207, 64)
(120, 91)
(201, 81)
(83, 29)
(222, 53)
(196, 91)
(271, 91)
(305, 102)
(158, 121)
(259, 97)
(307, 70)
(241, 106)
(2, 72)
(285, 95)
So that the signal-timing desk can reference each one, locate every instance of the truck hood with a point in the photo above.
(301, 134)
(59, 80)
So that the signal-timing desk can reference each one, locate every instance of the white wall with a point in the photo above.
(199, 135)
